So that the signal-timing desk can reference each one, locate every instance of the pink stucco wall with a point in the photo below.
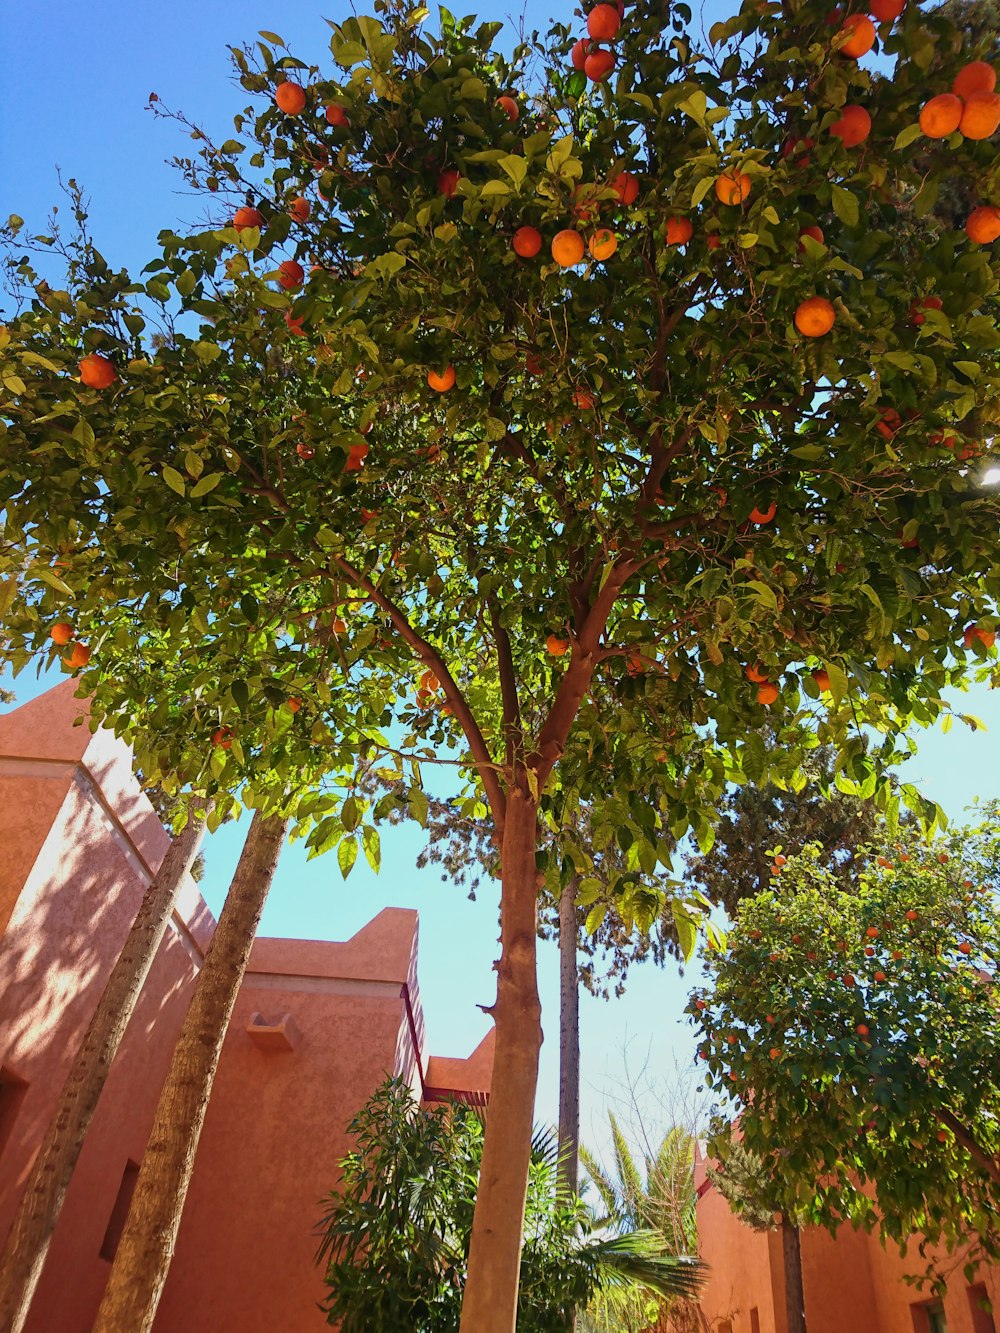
(852, 1284)
(316, 1027)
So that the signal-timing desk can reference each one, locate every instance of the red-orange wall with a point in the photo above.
(316, 1027)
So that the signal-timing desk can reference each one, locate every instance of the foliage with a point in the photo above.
(396, 1234)
(745, 1182)
(855, 1034)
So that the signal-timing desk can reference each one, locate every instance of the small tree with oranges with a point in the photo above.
(541, 413)
(855, 1036)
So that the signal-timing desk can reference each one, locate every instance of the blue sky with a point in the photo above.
(73, 96)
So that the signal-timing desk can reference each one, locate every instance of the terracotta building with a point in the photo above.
(316, 1027)
(851, 1283)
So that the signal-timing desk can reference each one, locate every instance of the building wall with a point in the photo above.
(316, 1027)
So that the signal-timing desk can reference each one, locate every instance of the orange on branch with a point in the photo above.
(976, 77)
(757, 673)
(296, 325)
(97, 372)
(603, 243)
(815, 233)
(980, 116)
(583, 400)
(508, 104)
(79, 656)
(859, 33)
(448, 182)
(941, 116)
(336, 115)
(290, 274)
(626, 187)
(527, 242)
(815, 317)
(441, 381)
(567, 248)
(986, 637)
(300, 209)
(733, 186)
(679, 231)
(603, 23)
(222, 738)
(822, 678)
(886, 11)
(290, 97)
(244, 218)
(293, 705)
(762, 516)
(983, 224)
(555, 646)
(61, 632)
(578, 55)
(767, 693)
(853, 126)
(599, 64)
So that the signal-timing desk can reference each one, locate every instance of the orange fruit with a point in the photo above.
(222, 737)
(917, 317)
(555, 646)
(290, 274)
(293, 705)
(762, 516)
(980, 115)
(603, 22)
(626, 187)
(983, 224)
(767, 693)
(583, 400)
(97, 372)
(733, 186)
(853, 127)
(295, 325)
(599, 64)
(448, 182)
(886, 10)
(757, 674)
(860, 36)
(567, 248)
(61, 632)
(941, 116)
(527, 242)
(965, 947)
(442, 382)
(822, 678)
(300, 209)
(780, 860)
(679, 231)
(603, 243)
(713, 240)
(986, 637)
(305, 451)
(339, 625)
(290, 97)
(578, 55)
(79, 656)
(862, 1029)
(336, 115)
(814, 317)
(815, 232)
(510, 106)
(775, 1053)
(247, 217)
(976, 77)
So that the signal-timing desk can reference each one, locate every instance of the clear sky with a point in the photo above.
(76, 81)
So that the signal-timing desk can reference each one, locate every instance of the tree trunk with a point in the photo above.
(36, 1218)
(795, 1301)
(569, 1041)
(490, 1304)
(147, 1244)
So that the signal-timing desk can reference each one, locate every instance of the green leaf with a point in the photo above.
(174, 479)
(347, 854)
(373, 847)
(206, 484)
(595, 918)
(845, 205)
(687, 930)
(905, 137)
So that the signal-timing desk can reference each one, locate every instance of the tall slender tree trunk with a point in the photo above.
(35, 1221)
(569, 1040)
(140, 1266)
(791, 1253)
(490, 1304)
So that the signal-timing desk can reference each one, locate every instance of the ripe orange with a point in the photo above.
(290, 274)
(583, 400)
(599, 64)
(510, 106)
(774, 1053)
(448, 182)
(816, 233)
(980, 115)
(578, 55)
(767, 693)
(976, 77)
(247, 217)
(912, 915)
(626, 187)
(780, 861)
(853, 127)
(880, 976)
(603, 243)
(429, 681)
(862, 1029)
(603, 22)
(815, 317)
(848, 979)
(555, 646)
(222, 737)
(567, 248)
(290, 97)
(61, 632)
(713, 240)
(293, 705)
(300, 209)
(983, 224)
(917, 317)
(527, 242)
(965, 947)
(79, 656)
(986, 637)
(860, 36)
(336, 115)
(822, 678)
(733, 186)
(872, 932)
(762, 516)
(305, 451)
(442, 382)
(941, 116)
(295, 325)
(886, 10)
(679, 231)
(97, 372)
(339, 625)
(356, 456)
(757, 673)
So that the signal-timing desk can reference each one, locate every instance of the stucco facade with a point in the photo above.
(852, 1284)
(316, 1027)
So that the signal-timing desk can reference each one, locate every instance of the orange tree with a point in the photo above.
(855, 1035)
(550, 422)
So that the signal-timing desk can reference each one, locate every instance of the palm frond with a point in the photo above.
(601, 1181)
(637, 1259)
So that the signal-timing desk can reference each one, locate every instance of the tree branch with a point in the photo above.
(989, 1164)
(513, 731)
